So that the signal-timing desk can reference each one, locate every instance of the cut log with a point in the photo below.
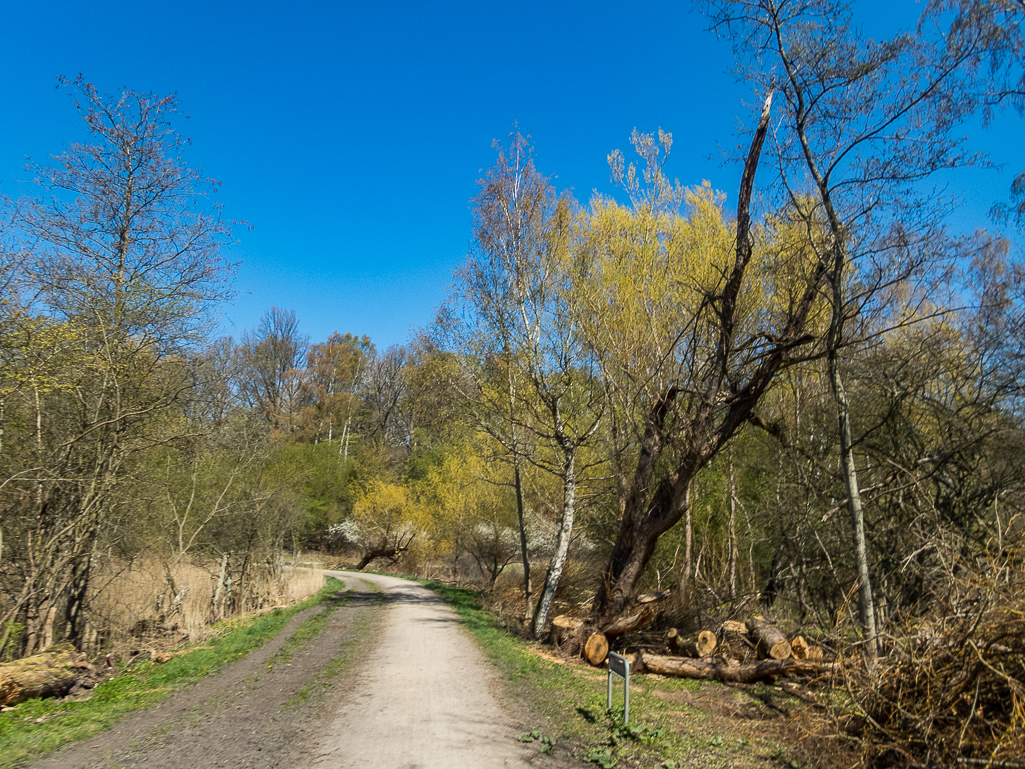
(799, 647)
(769, 640)
(596, 649)
(52, 673)
(634, 621)
(732, 626)
(699, 644)
(769, 670)
(636, 662)
(563, 628)
(804, 650)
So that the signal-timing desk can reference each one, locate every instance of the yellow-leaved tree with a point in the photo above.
(387, 517)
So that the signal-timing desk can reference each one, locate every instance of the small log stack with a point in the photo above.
(802, 650)
(700, 644)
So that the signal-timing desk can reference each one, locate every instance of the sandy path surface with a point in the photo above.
(424, 698)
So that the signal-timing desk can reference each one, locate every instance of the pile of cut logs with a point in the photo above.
(737, 652)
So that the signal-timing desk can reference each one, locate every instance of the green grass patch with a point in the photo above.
(661, 733)
(41, 726)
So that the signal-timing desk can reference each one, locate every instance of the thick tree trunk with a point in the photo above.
(650, 513)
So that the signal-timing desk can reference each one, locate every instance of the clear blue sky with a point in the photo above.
(350, 135)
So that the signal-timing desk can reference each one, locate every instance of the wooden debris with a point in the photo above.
(634, 621)
(53, 673)
(768, 670)
(636, 662)
(734, 627)
(770, 641)
(802, 650)
(563, 628)
(700, 644)
(596, 649)
(734, 643)
(653, 597)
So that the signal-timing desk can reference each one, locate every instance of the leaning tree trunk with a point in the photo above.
(718, 405)
(569, 497)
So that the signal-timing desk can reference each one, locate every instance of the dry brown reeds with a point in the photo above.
(145, 604)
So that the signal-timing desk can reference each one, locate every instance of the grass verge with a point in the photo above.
(669, 724)
(37, 727)
(320, 683)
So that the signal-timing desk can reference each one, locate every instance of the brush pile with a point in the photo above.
(952, 690)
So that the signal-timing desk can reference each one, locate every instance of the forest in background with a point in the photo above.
(810, 404)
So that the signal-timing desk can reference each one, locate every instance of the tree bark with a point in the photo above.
(771, 643)
(49, 674)
(554, 574)
(768, 670)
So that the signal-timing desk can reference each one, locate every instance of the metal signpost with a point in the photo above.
(620, 667)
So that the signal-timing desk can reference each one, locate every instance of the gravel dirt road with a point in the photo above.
(392, 682)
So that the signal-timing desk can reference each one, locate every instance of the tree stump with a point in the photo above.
(563, 628)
